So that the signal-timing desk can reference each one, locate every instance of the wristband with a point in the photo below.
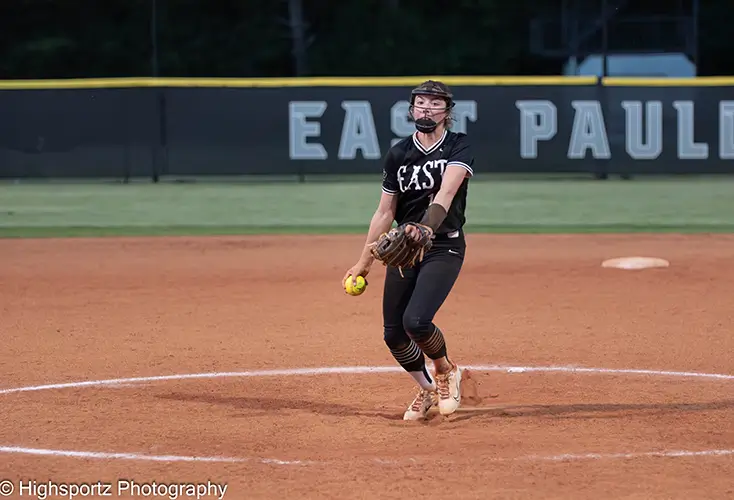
(434, 216)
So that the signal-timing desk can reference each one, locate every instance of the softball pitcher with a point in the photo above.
(424, 190)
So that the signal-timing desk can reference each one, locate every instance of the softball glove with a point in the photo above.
(397, 248)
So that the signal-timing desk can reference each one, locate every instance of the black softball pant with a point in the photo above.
(411, 302)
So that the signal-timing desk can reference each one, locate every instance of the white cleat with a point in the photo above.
(418, 409)
(449, 391)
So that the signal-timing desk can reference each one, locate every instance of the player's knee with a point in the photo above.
(395, 337)
(417, 327)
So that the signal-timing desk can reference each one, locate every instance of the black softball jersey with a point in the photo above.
(414, 173)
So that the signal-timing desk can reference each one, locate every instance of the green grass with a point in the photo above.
(495, 205)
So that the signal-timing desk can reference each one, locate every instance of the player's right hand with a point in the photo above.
(361, 268)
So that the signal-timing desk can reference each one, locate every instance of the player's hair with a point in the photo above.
(437, 89)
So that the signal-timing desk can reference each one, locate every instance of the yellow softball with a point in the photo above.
(355, 289)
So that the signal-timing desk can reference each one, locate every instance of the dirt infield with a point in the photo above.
(92, 309)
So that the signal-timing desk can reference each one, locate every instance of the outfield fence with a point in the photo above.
(169, 128)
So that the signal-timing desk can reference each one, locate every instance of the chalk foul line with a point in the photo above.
(564, 457)
(357, 370)
(363, 370)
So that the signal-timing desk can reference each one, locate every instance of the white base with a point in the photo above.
(630, 263)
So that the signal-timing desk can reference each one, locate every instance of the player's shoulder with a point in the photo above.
(402, 146)
(457, 137)
(399, 150)
(457, 141)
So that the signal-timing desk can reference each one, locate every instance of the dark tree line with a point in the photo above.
(275, 38)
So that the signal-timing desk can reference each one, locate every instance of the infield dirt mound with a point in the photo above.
(79, 309)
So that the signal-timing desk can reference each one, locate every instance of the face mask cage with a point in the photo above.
(430, 89)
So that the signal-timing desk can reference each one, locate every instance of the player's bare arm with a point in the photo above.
(436, 213)
(452, 179)
(380, 223)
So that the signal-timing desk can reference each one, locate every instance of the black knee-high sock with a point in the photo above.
(433, 345)
(410, 357)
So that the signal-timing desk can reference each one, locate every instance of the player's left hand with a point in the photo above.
(414, 233)
(400, 248)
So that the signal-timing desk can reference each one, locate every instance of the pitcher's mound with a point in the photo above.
(635, 262)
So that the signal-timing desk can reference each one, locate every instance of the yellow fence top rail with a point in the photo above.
(405, 81)
(700, 81)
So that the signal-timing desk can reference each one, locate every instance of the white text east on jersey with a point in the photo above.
(420, 177)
